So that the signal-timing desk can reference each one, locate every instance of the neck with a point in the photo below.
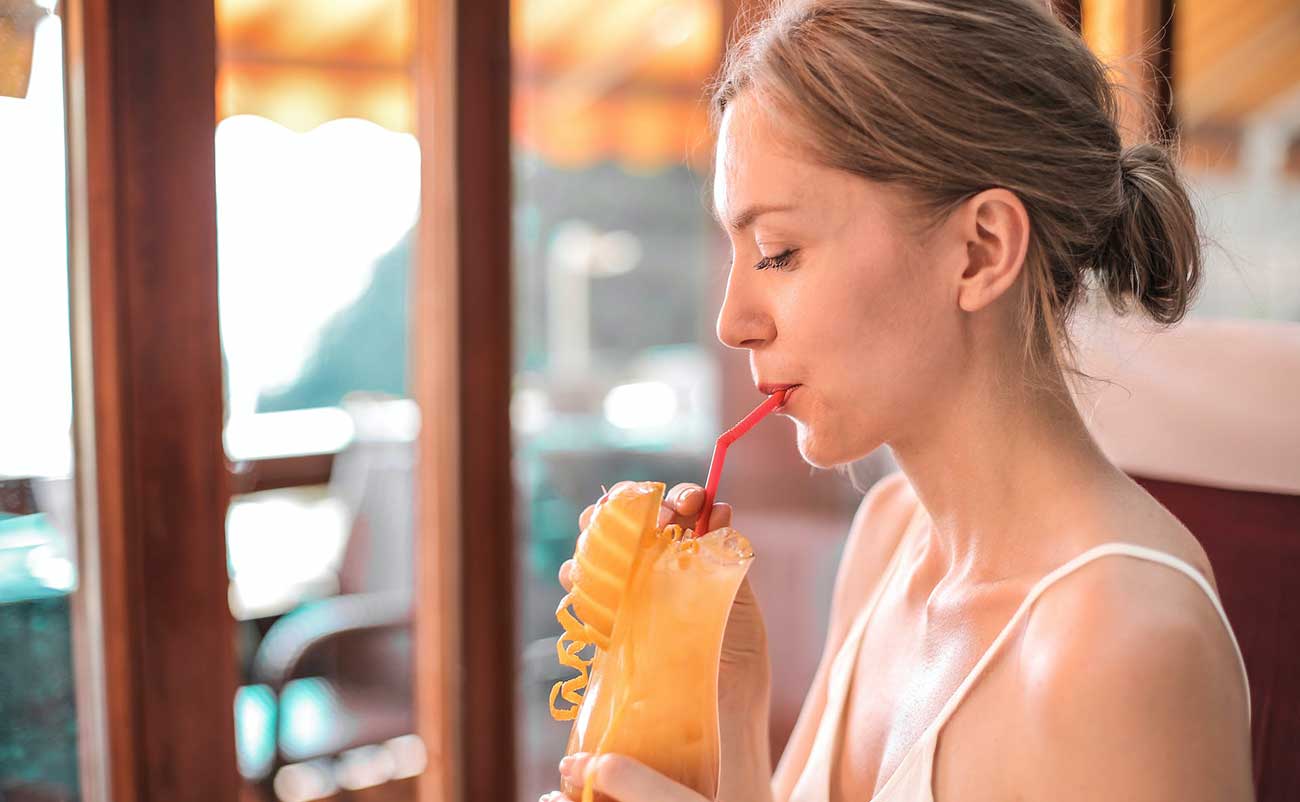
(1006, 475)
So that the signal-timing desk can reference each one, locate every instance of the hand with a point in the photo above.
(618, 778)
(744, 674)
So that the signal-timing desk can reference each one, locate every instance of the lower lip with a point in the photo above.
(786, 403)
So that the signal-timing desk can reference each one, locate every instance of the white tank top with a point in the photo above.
(912, 780)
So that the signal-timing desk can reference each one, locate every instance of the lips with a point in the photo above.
(770, 389)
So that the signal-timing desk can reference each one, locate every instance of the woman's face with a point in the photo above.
(847, 300)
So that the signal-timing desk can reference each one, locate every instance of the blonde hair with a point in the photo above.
(951, 97)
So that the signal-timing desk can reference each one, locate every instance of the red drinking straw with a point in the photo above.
(720, 454)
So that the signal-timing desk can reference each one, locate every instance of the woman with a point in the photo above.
(918, 193)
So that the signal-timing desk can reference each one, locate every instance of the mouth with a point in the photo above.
(770, 389)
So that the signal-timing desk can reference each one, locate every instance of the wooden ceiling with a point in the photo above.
(1233, 59)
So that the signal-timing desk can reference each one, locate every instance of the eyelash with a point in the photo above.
(779, 262)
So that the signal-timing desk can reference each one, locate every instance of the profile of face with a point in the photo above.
(836, 284)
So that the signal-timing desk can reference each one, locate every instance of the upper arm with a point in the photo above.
(872, 537)
(1131, 694)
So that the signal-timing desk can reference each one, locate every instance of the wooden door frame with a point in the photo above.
(153, 636)
(460, 376)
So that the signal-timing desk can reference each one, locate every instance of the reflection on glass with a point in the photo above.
(38, 723)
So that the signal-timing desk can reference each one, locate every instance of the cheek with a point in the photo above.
(872, 322)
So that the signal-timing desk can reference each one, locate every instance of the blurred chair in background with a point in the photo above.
(333, 678)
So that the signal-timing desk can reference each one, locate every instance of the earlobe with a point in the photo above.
(995, 227)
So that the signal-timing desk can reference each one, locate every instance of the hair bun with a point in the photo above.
(1151, 255)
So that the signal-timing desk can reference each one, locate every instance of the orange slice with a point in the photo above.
(621, 526)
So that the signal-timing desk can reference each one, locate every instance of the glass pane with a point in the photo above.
(1240, 123)
(38, 722)
(317, 197)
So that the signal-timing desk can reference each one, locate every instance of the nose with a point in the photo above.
(742, 322)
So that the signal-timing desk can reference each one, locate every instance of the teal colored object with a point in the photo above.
(24, 573)
(38, 715)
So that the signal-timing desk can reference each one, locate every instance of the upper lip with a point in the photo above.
(767, 388)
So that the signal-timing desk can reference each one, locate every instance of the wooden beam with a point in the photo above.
(154, 639)
(460, 377)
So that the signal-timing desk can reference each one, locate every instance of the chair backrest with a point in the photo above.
(1207, 418)
(373, 476)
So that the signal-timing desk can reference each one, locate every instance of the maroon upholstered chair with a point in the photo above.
(1253, 540)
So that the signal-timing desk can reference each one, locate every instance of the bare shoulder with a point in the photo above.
(1130, 684)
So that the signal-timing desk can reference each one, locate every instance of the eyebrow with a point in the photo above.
(751, 213)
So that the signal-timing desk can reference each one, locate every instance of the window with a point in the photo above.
(38, 531)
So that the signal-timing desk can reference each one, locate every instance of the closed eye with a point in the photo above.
(779, 262)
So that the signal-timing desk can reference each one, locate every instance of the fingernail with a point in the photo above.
(566, 765)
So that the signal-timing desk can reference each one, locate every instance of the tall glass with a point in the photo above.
(653, 694)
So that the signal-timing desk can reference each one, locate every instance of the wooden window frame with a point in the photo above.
(153, 637)
(154, 640)
(460, 377)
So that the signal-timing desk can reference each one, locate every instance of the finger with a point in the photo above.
(685, 498)
(553, 796)
(665, 516)
(625, 779)
(585, 518)
(720, 516)
(566, 574)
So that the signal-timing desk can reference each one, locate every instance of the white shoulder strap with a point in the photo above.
(1094, 553)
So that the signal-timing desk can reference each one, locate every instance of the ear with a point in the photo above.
(995, 228)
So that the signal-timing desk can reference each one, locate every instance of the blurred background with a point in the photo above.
(617, 274)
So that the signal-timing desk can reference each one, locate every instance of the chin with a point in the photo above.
(824, 452)
(819, 451)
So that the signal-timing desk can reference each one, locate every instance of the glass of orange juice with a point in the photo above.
(652, 691)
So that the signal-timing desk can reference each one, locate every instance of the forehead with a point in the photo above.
(754, 164)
